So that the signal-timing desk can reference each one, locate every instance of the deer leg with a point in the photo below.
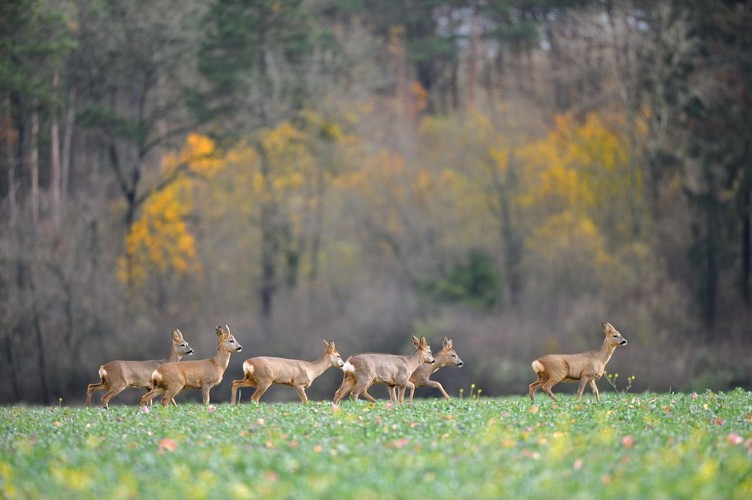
(348, 383)
(392, 393)
(535, 386)
(548, 391)
(594, 388)
(301, 393)
(95, 387)
(146, 398)
(548, 385)
(581, 388)
(205, 393)
(368, 397)
(260, 390)
(169, 394)
(236, 385)
(360, 386)
(114, 391)
(436, 385)
(402, 390)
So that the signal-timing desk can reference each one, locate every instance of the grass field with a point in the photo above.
(626, 446)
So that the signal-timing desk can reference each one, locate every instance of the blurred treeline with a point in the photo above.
(506, 173)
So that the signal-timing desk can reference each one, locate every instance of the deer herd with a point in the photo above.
(168, 376)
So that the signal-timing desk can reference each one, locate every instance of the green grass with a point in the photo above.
(626, 446)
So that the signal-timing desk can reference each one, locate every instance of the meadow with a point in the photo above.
(625, 446)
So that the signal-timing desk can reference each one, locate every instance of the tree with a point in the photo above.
(260, 61)
(132, 67)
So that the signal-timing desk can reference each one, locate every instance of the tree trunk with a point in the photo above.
(40, 343)
(10, 157)
(746, 250)
(34, 166)
(472, 61)
(12, 367)
(65, 163)
(269, 247)
(55, 167)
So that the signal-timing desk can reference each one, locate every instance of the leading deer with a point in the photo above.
(363, 370)
(263, 371)
(584, 367)
(421, 377)
(170, 378)
(116, 376)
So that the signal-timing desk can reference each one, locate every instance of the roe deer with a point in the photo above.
(171, 378)
(363, 370)
(585, 367)
(421, 377)
(263, 371)
(116, 376)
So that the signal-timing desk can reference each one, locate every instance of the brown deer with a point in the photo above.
(421, 377)
(263, 371)
(363, 370)
(584, 367)
(170, 378)
(116, 376)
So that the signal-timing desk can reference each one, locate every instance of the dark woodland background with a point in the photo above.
(506, 173)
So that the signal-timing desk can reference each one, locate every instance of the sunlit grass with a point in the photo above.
(678, 445)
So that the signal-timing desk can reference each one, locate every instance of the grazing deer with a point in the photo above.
(421, 377)
(363, 370)
(263, 371)
(170, 378)
(584, 367)
(116, 376)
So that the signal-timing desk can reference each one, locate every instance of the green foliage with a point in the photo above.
(255, 55)
(670, 446)
(475, 283)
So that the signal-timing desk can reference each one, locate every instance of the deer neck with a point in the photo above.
(319, 366)
(222, 358)
(172, 356)
(414, 360)
(607, 350)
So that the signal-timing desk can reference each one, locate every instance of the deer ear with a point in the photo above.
(220, 331)
(327, 344)
(416, 341)
(607, 327)
(422, 341)
(447, 343)
(177, 335)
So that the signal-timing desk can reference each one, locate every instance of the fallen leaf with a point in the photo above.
(399, 443)
(735, 438)
(167, 444)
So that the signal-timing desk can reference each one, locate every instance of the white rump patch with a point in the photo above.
(347, 367)
(538, 366)
(102, 372)
(247, 367)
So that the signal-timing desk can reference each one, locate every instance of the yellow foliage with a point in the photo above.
(159, 240)
(580, 168)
